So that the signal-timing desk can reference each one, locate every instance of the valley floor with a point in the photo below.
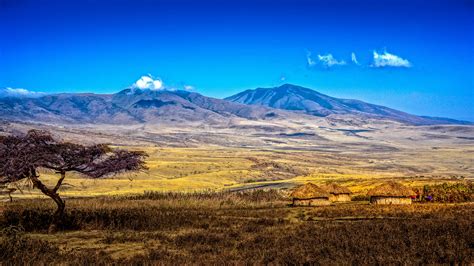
(214, 168)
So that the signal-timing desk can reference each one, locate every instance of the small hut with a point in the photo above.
(391, 193)
(310, 195)
(337, 193)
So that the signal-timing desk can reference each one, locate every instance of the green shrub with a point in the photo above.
(457, 192)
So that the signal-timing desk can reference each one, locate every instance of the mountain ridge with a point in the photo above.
(128, 106)
(134, 106)
(297, 98)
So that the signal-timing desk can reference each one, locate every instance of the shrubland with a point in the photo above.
(252, 227)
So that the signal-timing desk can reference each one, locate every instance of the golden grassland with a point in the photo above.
(188, 159)
(217, 168)
(200, 206)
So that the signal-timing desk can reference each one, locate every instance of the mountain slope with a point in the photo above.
(300, 99)
(128, 106)
(288, 103)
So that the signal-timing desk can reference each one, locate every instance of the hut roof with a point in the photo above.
(309, 191)
(391, 189)
(335, 189)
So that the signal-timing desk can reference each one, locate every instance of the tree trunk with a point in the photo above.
(58, 214)
(52, 193)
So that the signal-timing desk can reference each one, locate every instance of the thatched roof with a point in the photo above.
(335, 189)
(309, 191)
(391, 189)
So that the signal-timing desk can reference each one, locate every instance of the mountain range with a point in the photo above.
(132, 106)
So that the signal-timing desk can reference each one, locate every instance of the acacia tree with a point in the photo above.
(21, 157)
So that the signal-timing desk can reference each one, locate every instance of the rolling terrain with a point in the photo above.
(198, 143)
(218, 183)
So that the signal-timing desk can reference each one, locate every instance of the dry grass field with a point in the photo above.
(219, 196)
(235, 228)
(199, 169)
(219, 168)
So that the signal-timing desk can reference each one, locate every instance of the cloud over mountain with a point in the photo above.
(19, 93)
(148, 82)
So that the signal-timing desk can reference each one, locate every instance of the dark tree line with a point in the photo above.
(21, 157)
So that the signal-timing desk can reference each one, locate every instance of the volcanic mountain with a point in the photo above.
(135, 106)
(307, 101)
(128, 106)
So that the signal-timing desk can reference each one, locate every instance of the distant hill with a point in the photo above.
(128, 106)
(304, 100)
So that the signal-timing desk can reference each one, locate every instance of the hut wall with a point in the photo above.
(390, 200)
(311, 202)
(340, 198)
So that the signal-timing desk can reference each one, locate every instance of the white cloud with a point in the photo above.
(354, 59)
(325, 61)
(329, 61)
(148, 82)
(310, 61)
(188, 87)
(19, 93)
(389, 60)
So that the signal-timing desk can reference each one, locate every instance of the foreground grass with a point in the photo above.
(252, 227)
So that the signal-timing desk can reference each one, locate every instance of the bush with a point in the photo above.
(457, 192)
(17, 248)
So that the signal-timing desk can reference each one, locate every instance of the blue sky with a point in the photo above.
(424, 62)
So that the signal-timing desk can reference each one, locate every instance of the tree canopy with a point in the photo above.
(21, 156)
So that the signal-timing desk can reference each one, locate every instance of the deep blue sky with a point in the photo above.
(223, 47)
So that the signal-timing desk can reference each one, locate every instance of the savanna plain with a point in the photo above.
(221, 196)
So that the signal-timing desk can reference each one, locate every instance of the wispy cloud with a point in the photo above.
(354, 59)
(310, 61)
(380, 60)
(325, 61)
(329, 61)
(19, 93)
(188, 87)
(389, 60)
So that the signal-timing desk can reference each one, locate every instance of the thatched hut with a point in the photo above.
(310, 195)
(391, 193)
(337, 193)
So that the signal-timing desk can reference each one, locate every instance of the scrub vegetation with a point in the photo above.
(206, 203)
(235, 227)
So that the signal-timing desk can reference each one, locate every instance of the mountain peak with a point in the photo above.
(291, 89)
(296, 98)
(288, 97)
(290, 86)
